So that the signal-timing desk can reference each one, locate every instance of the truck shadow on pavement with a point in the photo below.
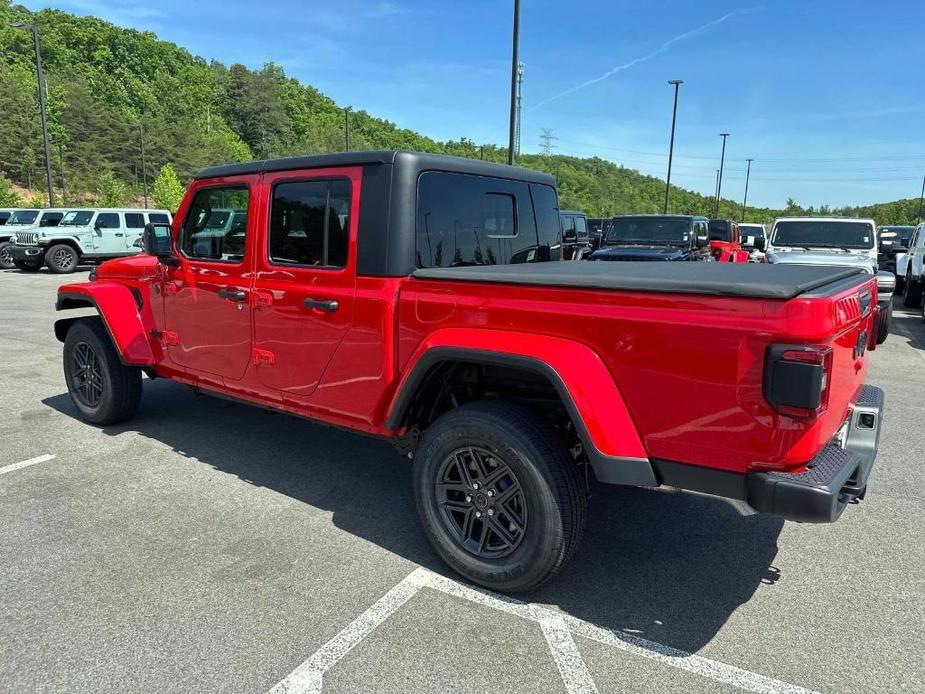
(667, 567)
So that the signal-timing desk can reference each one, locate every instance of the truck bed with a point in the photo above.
(751, 280)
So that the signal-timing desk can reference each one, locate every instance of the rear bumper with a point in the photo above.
(836, 477)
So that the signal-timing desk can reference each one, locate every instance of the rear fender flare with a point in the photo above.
(578, 374)
(118, 308)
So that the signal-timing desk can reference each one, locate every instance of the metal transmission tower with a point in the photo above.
(520, 85)
(546, 139)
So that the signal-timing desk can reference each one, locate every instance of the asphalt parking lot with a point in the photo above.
(211, 547)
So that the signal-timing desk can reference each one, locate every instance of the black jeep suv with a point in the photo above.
(654, 237)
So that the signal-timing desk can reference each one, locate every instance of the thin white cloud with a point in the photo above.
(664, 48)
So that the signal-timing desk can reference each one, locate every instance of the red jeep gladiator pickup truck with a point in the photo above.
(406, 296)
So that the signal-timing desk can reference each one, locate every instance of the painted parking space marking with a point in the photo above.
(559, 630)
(26, 463)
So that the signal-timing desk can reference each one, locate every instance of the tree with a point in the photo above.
(167, 190)
(111, 191)
(8, 196)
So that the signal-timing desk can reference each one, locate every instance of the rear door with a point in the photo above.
(134, 225)
(206, 297)
(306, 276)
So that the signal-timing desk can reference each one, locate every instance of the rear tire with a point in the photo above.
(25, 267)
(62, 259)
(883, 328)
(499, 495)
(103, 389)
(6, 260)
(912, 290)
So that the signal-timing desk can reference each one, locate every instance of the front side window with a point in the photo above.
(107, 220)
(581, 227)
(474, 220)
(77, 218)
(4, 216)
(310, 223)
(134, 220)
(51, 219)
(215, 227)
(548, 225)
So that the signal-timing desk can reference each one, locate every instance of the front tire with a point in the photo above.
(499, 495)
(883, 327)
(103, 389)
(6, 259)
(62, 259)
(912, 290)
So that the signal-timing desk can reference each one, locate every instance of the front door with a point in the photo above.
(206, 297)
(109, 234)
(305, 281)
(134, 226)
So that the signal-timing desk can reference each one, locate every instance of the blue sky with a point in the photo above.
(827, 97)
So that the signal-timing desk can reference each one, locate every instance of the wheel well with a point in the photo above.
(447, 384)
(64, 242)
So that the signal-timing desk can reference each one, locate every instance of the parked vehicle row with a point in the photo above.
(63, 239)
(408, 296)
(909, 268)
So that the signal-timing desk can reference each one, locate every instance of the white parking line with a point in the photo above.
(26, 463)
(558, 628)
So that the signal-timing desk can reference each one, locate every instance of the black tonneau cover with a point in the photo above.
(755, 280)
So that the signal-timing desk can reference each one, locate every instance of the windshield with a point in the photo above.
(720, 230)
(77, 218)
(24, 217)
(648, 230)
(813, 234)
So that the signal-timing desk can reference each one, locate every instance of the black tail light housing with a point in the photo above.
(797, 379)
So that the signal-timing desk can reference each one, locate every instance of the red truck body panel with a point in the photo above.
(668, 376)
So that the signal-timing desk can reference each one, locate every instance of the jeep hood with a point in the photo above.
(638, 253)
(831, 258)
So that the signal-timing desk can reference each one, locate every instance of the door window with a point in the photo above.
(51, 219)
(108, 220)
(158, 218)
(581, 227)
(215, 227)
(134, 220)
(310, 223)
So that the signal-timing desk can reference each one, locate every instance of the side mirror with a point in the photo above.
(138, 243)
(570, 236)
(157, 240)
(702, 241)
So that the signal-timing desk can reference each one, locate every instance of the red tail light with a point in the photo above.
(797, 379)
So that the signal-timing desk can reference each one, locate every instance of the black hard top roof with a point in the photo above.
(420, 161)
(655, 216)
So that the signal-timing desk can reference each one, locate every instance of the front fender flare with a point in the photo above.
(578, 374)
(118, 309)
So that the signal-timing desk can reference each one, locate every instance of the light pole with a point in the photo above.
(347, 129)
(674, 117)
(748, 173)
(515, 59)
(922, 198)
(41, 80)
(144, 167)
(719, 180)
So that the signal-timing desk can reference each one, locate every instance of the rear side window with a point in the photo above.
(474, 220)
(548, 229)
(158, 218)
(51, 219)
(720, 230)
(134, 220)
(215, 227)
(310, 223)
(3, 217)
(108, 220)
(581, 227)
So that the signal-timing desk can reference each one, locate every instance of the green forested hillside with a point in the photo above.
(107, 84)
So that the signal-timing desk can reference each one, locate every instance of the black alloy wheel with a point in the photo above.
(86, 375)
(481, 502)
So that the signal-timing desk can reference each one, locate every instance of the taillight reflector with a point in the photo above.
(797, 379)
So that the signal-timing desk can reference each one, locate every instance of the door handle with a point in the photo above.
(233, 294)
(118, 234)
(326, 306)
